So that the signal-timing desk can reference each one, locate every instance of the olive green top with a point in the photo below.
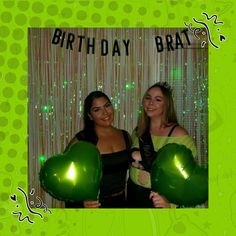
(159, 142)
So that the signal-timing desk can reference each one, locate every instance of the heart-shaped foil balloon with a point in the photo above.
(74, 175)
(177, 176)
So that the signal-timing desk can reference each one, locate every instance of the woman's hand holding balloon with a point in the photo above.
(91, 204)
(159, 201)
(136, 155)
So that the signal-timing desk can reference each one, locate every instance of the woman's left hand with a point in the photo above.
(91, 204)
(159, 201)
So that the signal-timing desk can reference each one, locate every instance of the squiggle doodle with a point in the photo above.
(27, 203)
(38, 205)
(195, 31)
(21, 219)
(213, 16)
(208, 32)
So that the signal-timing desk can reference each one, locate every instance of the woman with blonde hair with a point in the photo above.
(157, 126)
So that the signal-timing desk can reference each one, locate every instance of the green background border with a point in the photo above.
(16, 17)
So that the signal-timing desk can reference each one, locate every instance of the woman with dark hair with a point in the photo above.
(113, 144)
(157, 126)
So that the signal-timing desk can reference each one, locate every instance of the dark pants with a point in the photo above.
(74, 205)
(138, 196)
(106, 202)
(113, 201)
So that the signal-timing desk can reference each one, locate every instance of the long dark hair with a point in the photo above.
(88, 131)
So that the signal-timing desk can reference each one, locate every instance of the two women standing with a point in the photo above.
(156, 127)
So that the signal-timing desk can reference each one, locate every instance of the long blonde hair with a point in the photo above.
(169, 110)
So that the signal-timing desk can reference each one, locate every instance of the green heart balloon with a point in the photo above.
(176, 175)
(74, 175)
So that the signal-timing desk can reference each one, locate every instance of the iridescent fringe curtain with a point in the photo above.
(60, 79)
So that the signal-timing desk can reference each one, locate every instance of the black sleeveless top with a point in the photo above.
(115, 166)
